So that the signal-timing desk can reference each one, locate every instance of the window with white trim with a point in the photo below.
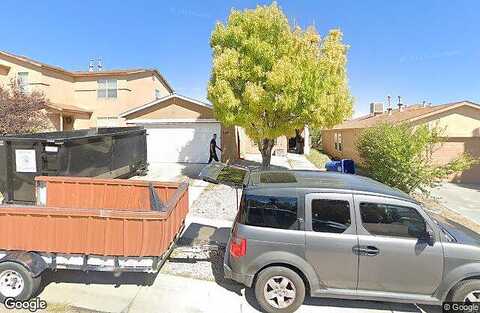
(107, 88)
(22, 80)
(157, 94)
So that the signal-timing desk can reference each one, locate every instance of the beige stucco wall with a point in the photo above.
(248, 146)
(133, 90)
(56, 86)
(463, 121)
(349, 138)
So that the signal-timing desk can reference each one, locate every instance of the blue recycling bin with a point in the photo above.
(343, 166)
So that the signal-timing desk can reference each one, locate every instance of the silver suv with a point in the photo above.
(344, 236)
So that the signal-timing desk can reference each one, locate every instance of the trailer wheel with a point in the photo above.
(17, 282)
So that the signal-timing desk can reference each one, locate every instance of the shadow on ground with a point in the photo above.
(100, 278)
(468, 186)
(252, 165)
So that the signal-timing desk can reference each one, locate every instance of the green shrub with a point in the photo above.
(316, 138)
(401, 156)
(318, 158)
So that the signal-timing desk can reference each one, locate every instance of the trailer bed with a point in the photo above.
(85, 221)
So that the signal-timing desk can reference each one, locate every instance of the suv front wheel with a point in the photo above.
(279, 290)
(467, 291)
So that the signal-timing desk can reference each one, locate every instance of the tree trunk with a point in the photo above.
(266, 151)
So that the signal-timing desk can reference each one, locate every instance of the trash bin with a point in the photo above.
(100, 152)
(343, 166)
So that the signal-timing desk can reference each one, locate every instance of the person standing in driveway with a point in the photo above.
(213, 149)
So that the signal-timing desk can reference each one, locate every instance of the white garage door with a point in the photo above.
(181, 142)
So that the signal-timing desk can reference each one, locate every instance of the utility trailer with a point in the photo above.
(117, 152)
(89, 224)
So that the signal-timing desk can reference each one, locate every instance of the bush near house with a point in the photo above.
(401, 156)
(20, 111)
(318, 158)
(316, 138)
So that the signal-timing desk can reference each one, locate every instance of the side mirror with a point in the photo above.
(428, 237)
(417, 230)
(420, 231)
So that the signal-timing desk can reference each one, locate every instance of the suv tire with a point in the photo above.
(17, 282)
(466, 291)
(279, 290)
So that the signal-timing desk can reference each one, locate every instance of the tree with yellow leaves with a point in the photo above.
(271, 78)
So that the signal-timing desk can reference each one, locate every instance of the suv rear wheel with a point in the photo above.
(467, 291)
(279, 290)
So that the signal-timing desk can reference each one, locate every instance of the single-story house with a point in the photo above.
(461, 121)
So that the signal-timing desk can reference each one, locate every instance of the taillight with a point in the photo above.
(238, 247)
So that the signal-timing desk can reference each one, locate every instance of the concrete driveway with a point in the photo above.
(462, 198)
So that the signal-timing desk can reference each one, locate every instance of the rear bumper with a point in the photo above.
(243, 279)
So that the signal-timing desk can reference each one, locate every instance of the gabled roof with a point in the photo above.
(163, 99)
(76, 74)
(408, 114)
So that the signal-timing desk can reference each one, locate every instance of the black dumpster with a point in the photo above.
(101, 152)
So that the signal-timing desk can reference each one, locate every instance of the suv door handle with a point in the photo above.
(371, 251)
(365, 250)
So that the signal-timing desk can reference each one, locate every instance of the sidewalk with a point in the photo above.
(173, 294)
(292, 161)
(463, 199)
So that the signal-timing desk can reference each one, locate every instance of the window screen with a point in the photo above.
(22, 80)
(269, 211)
(107, 88)
(390, 220)
(330, 216)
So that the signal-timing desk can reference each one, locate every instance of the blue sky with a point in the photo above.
(421, 50)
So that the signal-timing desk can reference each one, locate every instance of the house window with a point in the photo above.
(340, 142)
(22, 80)
(157, 94)
(107, 88)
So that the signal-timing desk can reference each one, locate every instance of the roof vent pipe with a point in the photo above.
(400, 104)
(91, 66)
(389, 108)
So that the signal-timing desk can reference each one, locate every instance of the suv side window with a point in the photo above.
(390, 220)
(330, 216)
(269, 211)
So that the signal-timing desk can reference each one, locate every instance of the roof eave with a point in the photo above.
(160, 100)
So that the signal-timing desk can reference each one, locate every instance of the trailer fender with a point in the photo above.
(32, 261)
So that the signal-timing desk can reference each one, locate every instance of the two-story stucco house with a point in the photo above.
(83, 99)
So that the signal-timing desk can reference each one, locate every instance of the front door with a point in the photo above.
(393, 258)
(330, 236)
